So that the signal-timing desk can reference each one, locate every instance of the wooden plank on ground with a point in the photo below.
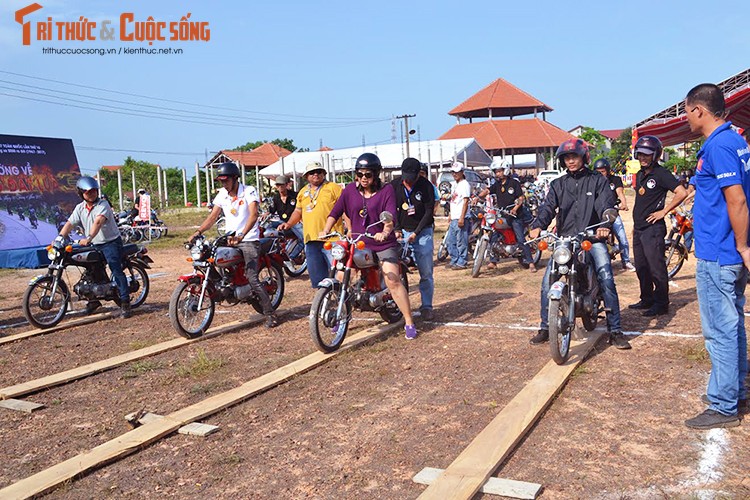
(60, 378)
(18, 405)
(61, 326)
(132, 441)
(194, 429)
(471, 469)
(493, 486)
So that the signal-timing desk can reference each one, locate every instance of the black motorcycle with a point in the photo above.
(47, 298)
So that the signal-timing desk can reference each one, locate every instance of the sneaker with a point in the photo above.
(411, 332)
(741, 404)
(656, 311)
(427, 315)
(541, 337)
(532, 267)
(618, 340)
(458, 267)
(711, 419)
(92, 306)
(628, 266)
(272, 321)
(641, 305)
(125, 311)
(491, 265)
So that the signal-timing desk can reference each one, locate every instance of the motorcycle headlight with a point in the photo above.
(490, 219)
(196, 252)
(338, 252)
(52, 253)
(562, 255)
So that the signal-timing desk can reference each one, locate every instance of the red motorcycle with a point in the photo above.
(498, 241)
(331, 309)
(675, 251)
(219, 276)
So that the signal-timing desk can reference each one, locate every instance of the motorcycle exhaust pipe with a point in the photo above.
(377, 300)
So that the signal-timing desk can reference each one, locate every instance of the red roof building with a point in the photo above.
(499, 98)
(261, 157)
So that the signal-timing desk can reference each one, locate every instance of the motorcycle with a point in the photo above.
(47, 296)
(445, 191)
(476, 225)
(574, 288)
(33, 221)
(498, 239)
(675, 251)
(331, 309)
(219, 276)
(290, 245)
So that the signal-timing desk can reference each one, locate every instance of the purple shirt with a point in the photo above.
(364, 211)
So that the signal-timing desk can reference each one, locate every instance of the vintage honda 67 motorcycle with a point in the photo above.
(331, 309)
(574, 288)
(498, 239)
(219, 276)
(47, 297)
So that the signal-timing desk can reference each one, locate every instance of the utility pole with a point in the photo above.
(407, 131)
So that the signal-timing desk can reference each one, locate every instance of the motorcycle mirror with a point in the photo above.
(610, 215)
(386, 217)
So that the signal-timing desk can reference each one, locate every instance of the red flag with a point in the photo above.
(633, 140)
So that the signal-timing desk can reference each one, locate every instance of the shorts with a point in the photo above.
(391, 254)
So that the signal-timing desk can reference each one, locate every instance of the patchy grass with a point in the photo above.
(201, 366)
(140, 367)
(695, 352)
(139, 344)
(580, 370)
(184, 217)
(204, 389)
(233, 459)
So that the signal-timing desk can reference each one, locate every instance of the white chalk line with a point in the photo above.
(459, 324)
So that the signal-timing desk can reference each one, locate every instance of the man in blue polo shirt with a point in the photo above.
(721, 246)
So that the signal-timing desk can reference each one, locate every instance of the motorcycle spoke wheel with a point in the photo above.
(326, 330)
(674, 257)
(137, 274)
(187, 319)
(479, 259)
(272, 281)
(559, 330)
(390, 311)
(41, 308)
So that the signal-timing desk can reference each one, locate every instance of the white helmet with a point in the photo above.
(500, 163)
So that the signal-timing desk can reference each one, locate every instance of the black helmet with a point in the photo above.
(575, 146)
(650, 145)
(86, 183)
(228, 169)
(369, 161)
(602, 163)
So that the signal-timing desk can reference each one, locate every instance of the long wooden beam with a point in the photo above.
(132, 441)
(61, 326)
(471, 469)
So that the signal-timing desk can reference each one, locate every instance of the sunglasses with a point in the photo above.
(317, 172)
(366, 175)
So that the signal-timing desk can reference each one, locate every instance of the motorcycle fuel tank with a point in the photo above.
(364, 258)
(228, 256)
(85, 257)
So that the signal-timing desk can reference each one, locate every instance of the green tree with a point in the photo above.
(679, 164)
(596, 141)
(620, 151)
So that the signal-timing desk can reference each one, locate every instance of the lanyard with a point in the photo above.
(408, 192)
(313, 200)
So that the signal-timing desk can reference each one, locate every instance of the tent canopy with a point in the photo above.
(433, 153)
(670, 125)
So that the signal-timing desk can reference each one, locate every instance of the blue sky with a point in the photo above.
(602, 64)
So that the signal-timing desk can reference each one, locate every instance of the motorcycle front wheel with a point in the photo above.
(187, 319)
(479, 258)
(326, 330)
(442, 251)
(675, 255)
(272, 280)
(137, 274)
(41, 308)
(559, 330)
(296, 267)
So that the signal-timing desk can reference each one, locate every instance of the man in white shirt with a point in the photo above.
(240, 206)
(460, 225)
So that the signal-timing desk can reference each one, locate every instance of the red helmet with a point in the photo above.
(575, 146)
(650, 145)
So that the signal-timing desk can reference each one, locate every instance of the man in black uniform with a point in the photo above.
(579, 199)
(508, 193)
(649, 230)
(283, 203)
(415, 203)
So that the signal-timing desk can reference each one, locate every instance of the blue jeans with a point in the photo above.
(458, 242)
(318, 262)
(721, 301)
(688, 240)
(622, 237)
(112, 251)
(423, 246)
(606, 281)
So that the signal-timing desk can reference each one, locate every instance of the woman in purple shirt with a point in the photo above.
(362, 203)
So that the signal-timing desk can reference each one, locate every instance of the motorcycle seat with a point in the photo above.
(129, 249)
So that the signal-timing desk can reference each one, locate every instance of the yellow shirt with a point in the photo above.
(315, 206)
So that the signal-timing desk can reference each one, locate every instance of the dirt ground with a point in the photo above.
(362, 425)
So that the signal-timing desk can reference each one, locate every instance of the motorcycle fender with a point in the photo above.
(35, 279)
(329, 283)
(143, 261)
(191, 278)
(556, 290)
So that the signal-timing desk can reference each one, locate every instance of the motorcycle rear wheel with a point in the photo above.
(136, 272)
(442, 251)
(296, 267)
(190, 322)
(479, 259)
(272, 280)
(390, 312)
(675, 255)
(559, 330)
(42, 310)
(326, 331)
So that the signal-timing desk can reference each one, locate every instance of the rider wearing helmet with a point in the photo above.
(98, 221)
(509, 193)
(649, 230)
(240, 206)
(615, 184)
(363, 202)
(579, 199)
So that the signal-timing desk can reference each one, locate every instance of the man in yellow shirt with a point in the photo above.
(314, 203)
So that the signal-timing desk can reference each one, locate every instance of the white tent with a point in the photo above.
(433, 153)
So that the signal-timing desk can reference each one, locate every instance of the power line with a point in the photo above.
(117, 150)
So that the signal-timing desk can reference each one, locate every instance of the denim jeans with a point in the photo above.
(318, 262)
(606, 281)
(112, 251)
(458, 242)
(688, 240)
(423, 247)
(622, 238)
(721, 301)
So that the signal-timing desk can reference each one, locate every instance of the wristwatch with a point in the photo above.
(240, 235)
